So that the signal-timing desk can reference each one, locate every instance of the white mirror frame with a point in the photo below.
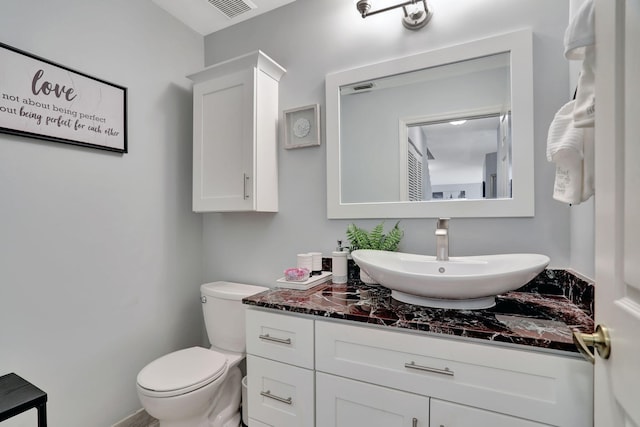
(520, 46)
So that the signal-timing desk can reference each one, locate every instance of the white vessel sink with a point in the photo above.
(470, 282)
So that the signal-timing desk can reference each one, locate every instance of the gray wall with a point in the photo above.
(100, 261)
(311, 38)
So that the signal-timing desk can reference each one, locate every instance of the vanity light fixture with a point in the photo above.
(416, 12)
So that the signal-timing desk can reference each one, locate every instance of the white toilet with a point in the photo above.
(199, 387)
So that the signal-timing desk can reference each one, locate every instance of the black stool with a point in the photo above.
(18, 395)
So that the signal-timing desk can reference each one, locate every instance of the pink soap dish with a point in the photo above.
(296, 274)
(303, 285)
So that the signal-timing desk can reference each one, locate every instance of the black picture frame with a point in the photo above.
(45, 100)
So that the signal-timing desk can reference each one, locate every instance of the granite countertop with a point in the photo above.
(541, 314)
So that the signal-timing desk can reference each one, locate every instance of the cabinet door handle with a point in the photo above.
(414, 422)
(445, 371)
(268, 394)
(266, 337)
(245, 181)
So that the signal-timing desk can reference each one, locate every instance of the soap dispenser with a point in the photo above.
(339, 264)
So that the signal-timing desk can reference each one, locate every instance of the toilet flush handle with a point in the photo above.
(203, 299)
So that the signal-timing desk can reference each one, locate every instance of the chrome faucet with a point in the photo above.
(442, 239)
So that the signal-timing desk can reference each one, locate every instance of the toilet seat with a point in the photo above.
(181, 372)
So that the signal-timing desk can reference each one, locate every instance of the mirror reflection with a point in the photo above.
(462, 158)
(439, 133)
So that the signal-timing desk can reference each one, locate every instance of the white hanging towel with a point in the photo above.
(588, 164)
(566, 148)
(579, 44)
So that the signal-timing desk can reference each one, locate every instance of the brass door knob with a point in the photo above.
(599, 339)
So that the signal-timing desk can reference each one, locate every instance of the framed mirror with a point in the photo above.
(445, 133)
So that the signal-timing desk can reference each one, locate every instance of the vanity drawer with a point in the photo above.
(280, 395)
(284, 338)
(520, 383)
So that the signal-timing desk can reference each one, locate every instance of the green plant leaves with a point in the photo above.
(375, 239)
(358, 237)
(392, 240)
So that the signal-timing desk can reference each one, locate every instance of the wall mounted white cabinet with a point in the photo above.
(235, 124)
(383, 377)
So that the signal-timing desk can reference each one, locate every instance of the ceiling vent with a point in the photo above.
(232, 8)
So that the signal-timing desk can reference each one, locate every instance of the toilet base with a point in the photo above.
(222, 409)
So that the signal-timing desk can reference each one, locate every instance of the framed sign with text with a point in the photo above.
(44, 100)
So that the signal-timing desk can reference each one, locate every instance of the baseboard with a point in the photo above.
(138, 419)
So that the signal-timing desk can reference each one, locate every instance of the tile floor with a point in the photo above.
(142, 419)
(139, 419)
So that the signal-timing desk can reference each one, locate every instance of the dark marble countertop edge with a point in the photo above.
(458, 334)
(550, 290)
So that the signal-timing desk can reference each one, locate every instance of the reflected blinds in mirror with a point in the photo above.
(415, 176)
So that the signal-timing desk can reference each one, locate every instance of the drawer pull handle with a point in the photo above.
(268, 394)
(414, 422)
(245, 182)
(266, 337)
(445, 371)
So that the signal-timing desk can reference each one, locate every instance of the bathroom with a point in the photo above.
(102, 257)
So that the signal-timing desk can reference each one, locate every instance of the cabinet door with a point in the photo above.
(279, 394)
(223, 128)
(447, 414)
(341, 402)
(255, 423)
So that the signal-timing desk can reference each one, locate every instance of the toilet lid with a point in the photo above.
(183, 370)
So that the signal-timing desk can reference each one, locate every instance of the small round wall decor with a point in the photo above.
(302, 127)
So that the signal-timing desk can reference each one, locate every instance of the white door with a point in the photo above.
(617, 379)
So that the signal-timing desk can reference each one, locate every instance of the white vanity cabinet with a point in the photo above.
(542, 388)
(342, 402)
(447, 414)
(384, 377)
(280, 374)
(235, 116)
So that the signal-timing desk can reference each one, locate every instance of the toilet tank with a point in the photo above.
(224, 313)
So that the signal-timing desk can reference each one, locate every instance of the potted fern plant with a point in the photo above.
(360, 238)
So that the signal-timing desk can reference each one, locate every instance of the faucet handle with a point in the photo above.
(443, 223)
